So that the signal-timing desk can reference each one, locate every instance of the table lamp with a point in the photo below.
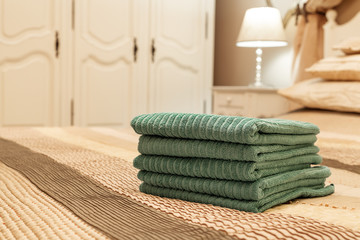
(261, 27)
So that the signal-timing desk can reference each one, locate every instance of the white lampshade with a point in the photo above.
(262, 27)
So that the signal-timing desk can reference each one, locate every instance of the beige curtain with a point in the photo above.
(308, 45)
(309, 38)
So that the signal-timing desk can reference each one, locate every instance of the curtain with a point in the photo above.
(309, 38)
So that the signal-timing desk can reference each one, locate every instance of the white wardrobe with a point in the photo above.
(101, 62)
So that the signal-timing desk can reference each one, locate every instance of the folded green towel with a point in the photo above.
(222, 169)
(243, 205)
(153, 145)
(257, 190)
(226, 128)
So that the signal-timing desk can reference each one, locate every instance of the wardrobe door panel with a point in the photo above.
(171, 79)
(104, 61)
(105, 92)
(177, 69)
(29, 68)
(26, 96)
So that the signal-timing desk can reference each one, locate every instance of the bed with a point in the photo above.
(104, 156)
(80, 183)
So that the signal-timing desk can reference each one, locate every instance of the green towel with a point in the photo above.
(222, 169)
(257, 190)
(242, 205)
(225, 128)
(153, 145)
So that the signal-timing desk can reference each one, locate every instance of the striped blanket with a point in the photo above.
(74, 183)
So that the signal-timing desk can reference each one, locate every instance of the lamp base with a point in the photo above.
(258, 85)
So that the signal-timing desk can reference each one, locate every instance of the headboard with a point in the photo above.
(334, 33)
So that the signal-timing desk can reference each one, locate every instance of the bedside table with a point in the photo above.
(249, 102)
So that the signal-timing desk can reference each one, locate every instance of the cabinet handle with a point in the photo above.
(57, 44)
(153, 50)
(135, 49)
(228, 100)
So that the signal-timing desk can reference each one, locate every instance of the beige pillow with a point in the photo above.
(337, 68)
(349, 46)
(322, 94)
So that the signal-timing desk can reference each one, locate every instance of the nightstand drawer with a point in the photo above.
(249, 102)
(229, 111)
(231, 100)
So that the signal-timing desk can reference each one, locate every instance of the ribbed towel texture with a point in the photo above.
(153, 145)
(240, 190)
(225, 128)
(222, 169)
(243, 205)
(244, 163)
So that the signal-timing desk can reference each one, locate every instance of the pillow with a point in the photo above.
(349, 46)
(331, 95)
(337, 68)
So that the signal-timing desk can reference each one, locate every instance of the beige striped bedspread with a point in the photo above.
(104, 157)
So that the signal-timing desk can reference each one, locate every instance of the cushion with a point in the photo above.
(337, 68)
(331, 95)
(349, 46)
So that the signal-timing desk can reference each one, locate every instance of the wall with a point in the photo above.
(235, 65)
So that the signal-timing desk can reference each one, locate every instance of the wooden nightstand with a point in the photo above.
(249, 102)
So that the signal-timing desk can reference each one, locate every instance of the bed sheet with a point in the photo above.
(102, 157)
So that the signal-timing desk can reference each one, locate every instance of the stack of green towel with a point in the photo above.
(243, 163)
